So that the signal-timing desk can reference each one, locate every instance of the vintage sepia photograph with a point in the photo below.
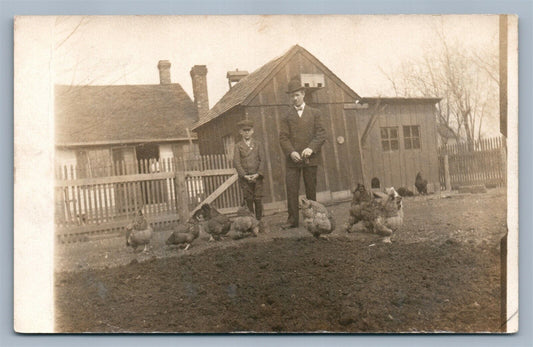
(268, 174)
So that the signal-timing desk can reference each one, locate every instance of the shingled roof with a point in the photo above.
(91, 115)
(248, 87)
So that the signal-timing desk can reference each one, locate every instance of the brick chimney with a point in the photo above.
(164, 71)
(235, 76)
(199, 89)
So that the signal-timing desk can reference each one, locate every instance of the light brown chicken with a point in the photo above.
(244, 225)
(139, 232)
(317, 219)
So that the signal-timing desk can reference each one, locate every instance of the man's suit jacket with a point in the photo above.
(297, 133)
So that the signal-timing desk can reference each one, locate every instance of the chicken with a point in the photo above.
(316, 218)
(380, 213)
(405, 192)
(361, 207)
(184, 235)
(217, 224)
(244, 225)
(421, 184)
(139, 233)
(188, 232)
(391, 216)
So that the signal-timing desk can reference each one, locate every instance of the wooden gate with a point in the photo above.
(96, 205)
(208, 179)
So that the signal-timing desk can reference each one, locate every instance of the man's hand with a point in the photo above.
(295, 156)
(306, 153)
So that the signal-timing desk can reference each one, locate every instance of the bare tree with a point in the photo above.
(82, 67)
(465, 79)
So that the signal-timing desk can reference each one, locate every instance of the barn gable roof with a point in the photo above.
(243, 92)
(114, 114)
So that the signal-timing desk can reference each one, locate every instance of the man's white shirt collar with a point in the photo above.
(300, 109)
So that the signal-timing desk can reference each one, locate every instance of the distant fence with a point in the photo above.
(481, 163)
(164, 189)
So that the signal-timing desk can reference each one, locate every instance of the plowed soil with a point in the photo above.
(440, 273)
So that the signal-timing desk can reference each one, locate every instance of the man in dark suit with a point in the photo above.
(301, 137)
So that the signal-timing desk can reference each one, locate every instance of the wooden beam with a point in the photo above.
(115, 179)
(217, 192)
(215, 172)
(373, 117)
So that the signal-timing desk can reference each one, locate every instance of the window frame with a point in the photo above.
(389, 140)
(410, 139)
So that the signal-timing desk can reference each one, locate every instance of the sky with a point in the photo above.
(125, 50)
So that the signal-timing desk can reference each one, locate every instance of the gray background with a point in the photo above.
(523, 8)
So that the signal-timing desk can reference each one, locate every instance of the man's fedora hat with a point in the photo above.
(245, 124)
(294, 86)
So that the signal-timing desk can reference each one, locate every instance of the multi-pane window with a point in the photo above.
(411, 136)
(389, 139)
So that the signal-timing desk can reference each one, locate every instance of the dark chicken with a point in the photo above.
(216, 224)
(421, 184)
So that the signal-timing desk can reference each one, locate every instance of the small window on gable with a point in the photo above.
(411, 136)
(375, 183)
(312, 80)
(389, 139)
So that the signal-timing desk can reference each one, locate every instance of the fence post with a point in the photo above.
(447, 180)
(181, 194)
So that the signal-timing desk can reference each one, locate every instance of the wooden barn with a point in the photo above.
(260, 96)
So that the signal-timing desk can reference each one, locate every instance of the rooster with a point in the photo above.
(316, 218)
(244, 225)
(138, 233)
(421, 184)
(217, 224)
(380, 213)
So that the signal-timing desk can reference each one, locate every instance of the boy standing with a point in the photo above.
(248, 160)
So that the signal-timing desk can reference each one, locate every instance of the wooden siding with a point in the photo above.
(210, 135)
(341, 165)
(399, 168)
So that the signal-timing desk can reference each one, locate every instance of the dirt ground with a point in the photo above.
(440, 273)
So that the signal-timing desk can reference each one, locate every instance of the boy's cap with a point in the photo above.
(245, 124)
